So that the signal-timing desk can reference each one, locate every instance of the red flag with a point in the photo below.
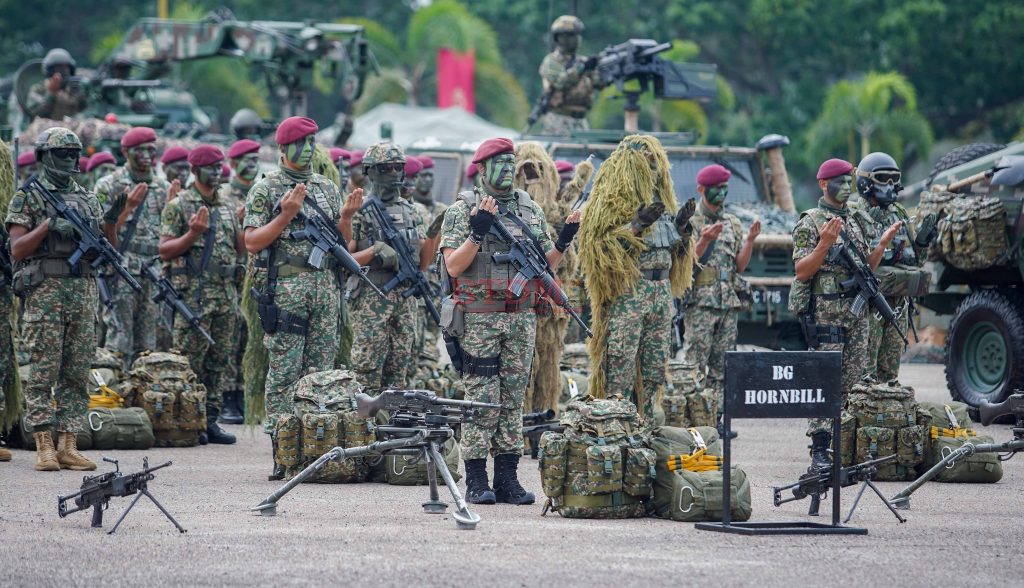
(455, 79)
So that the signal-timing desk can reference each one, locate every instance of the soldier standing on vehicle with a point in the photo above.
(59, 303)
(301, 304)
(569, 80)
(711, 306)
(202, 240)
(824, 306)
(636, 254)
(133, 197)
(494, 333)
(384, 329)
(53, 97)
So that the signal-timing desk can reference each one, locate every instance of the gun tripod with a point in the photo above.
(423, 442)
(143, 491)
(864, 485)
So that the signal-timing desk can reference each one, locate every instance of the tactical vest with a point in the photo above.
(495, 277)
(827, 282)
(50, 258)
(292, 264)
(190, 262)
(122, 179)
(709, 273)
(403, 216)
(901, 250)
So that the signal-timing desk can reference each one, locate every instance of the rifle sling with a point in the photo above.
(129, 228)
(204, 260)
(699, 266)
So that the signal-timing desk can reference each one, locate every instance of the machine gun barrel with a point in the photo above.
(412, 401)
(816, 484)
(536, 418)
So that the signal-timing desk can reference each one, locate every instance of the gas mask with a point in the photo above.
(61, 164)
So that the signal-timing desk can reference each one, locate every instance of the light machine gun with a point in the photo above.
(536, 424)
(418, 424)
(816, 484)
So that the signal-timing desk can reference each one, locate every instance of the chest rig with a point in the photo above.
(403, 217)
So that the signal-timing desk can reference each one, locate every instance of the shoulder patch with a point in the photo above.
(17, 203)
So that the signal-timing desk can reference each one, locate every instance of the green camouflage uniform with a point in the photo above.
(59, 316)
(711, 305)
(435, 211)
(8, 363)
(40, 103)
(132, 322)
(217, 303)
(832, 305)
(385, 329)
(495, 326)
(573, 93)
(233, 195)
(313, 295)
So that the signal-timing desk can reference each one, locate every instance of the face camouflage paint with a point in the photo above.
(141, 157)
(840, 187)
(300, 153)
(248, 167)
(209, 175)
(716, 194)
(500, 171)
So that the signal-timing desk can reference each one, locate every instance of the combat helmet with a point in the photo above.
(383, 152)
(55, 57)
(58, 138)
(246, 123)
(567, 23)
(878, 177)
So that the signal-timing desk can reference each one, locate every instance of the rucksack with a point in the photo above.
(684, 403)
(951, 427)
(888, 422)
(973, 234)
(324, 418)
(164, 385)
(598, 467)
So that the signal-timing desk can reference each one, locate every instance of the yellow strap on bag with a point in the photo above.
(105, 397)
(699, 461)
(955, 433)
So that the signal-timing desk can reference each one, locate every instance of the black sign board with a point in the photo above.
(783, 384)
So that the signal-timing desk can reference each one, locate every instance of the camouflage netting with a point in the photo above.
(10, 381)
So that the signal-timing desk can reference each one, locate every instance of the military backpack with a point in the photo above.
(684, 403)
(950, 428)
(164, 385)
(886, 420)
(972, 236)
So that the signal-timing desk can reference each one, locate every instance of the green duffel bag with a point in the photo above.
(951, 427)
(669, 441)
(120, 428)
(411, 470)
(691, 497)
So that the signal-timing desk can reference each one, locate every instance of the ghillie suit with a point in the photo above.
(609, 251)
(11, 401)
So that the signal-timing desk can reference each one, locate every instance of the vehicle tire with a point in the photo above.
(962, 154)
(985, 348)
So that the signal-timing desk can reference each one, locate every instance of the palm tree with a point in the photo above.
(875, 113)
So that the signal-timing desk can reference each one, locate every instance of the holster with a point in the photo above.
(273, 319)
(467, 364)
(815, 335)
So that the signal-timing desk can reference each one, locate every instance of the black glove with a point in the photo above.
(566, 235)
(117, 206)
(683, 217)
(646, 216)
(927, 231)
(479, 224)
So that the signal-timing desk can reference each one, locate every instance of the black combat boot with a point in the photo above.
(214, 433)
(279, 470)
(820, 458)
(477, 491)
(231, 413)
(506, 481)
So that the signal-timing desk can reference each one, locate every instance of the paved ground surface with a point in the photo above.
(375, 535)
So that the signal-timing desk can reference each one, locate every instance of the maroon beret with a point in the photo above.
(26, 158)
(83, 162)
(712, 175)
(492, 147)
(225, 171)
(412, 167)
(471, 171)
(562, 166)
(99, 159)
(172, 154)
(138, 136)
(427, 161)
(834, 167)
(242, 147)
(356, 158)
(337, 154)
(204, 155)
(294, 128)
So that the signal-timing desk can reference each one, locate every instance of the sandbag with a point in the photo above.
(120, 428)
(950, 428)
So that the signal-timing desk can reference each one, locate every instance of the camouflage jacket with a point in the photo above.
(573, 91)
(40, 103)
(219, 281)
(29, 210)
(407, 218)
(902, 249)
(826, 282)
(145, 242)
(233, 194)
(713, 286)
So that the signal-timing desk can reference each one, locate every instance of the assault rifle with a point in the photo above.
(418, 424)
(536, 424)
(408, 273)
(539, 108)
(97, 491)
(530, 263)
(324, 236)
(864, 282)
(1013, 405)
(815, 484)
(166, 293)
(90, 242)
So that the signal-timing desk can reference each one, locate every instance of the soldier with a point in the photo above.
(833, 326)
(27, 165)
(244, 155)
(100, 164)
(306, 300)
(59, 303)
(569, 78)
(133, 197)
(53, 97)
(565, 171)
(723, 253)
(384, 329)
(357, 178)
(246, 123)
(470, 177)
(342, 160)
(176, 167)
(636, 255)
(83, 178)
(201, 239)
(878, 183)
(8, 362)
(423, 193)
(494, 336)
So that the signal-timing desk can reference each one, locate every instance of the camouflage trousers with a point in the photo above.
(710, 332)
(510, 336)
(854, 348)
(885, 344)
(546, 378)
(552, 123)
(383, 335)
(209, 361)
(314, 297)
(638, 343)
(8, 361)
(59, 335)
(131, 322)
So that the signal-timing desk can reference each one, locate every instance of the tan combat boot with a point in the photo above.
(5, 454)
(68, 455)
(46, 458)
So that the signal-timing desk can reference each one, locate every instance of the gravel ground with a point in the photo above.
(376, 535)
